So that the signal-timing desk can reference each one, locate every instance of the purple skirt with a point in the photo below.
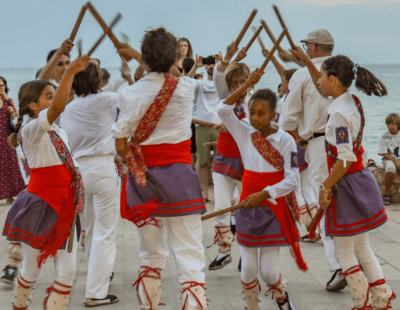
(359, 206)
(258, 227)
(231, 167)
(176, 186)
(30, 219)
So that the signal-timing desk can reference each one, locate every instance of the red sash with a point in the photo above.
(258, 181)
(53, 185)
(157, 155)
(148, 123)
(227, 145)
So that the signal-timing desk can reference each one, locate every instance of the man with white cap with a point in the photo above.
(305, 115)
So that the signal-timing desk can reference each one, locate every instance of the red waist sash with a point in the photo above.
(227, 145)
(159, 155)
(53, 185)
(254, 182)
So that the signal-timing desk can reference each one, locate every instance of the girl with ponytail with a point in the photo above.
(42, 215)
(350, 194)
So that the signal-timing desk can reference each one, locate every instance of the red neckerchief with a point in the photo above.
(148, 123)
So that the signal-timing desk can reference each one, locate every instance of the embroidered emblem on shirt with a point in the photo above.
(294, 162)
(342, 135)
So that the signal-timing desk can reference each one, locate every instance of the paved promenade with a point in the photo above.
(307, 290)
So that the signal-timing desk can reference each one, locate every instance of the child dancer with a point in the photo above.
(156, 113)
(227, 169)
(41, 216)
(270, 174)
(356, 206)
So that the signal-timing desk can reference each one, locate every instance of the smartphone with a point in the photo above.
(208, 61)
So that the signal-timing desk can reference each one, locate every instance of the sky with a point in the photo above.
(367, 31)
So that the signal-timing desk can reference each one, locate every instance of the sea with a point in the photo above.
(376, 109)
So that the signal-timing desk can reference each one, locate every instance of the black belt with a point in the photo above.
(316, 135)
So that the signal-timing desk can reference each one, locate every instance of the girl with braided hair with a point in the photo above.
(350, 194)
(42, 214)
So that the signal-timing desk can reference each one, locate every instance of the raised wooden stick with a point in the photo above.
(259, 38)
(202, 123)
(245, 27)
(284, 26)
(271, 35)
(78, 23)
(271, 53)
(115, 21)
(215, 143)
(213, 214)
(103, 25)
(251, 41)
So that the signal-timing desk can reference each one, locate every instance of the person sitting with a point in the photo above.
(389, 149)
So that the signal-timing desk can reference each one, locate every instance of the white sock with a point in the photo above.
(222, 255)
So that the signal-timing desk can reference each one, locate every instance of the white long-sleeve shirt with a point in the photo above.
(304, 108)
(87, 122)
(173, 126)
(254, 161)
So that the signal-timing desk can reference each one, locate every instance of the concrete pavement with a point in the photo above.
(306, 289)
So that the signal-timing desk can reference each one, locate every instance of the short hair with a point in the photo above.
(87, 82)
(326, 48)
(267, 95)
(6, 89)
(52, 52)
(391, 118)
(159, 50)
(98, 60)
(289, 73)
(187, 64)
(236, 70)
(105, 75)
(38, 73)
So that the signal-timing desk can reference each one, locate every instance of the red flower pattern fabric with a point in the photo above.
(148, 123)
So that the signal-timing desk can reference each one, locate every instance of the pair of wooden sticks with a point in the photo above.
(276, 46)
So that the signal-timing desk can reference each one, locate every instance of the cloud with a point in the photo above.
(341, 2)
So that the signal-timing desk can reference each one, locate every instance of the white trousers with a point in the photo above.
(185, 238)
(225, 189)
(317, 173)
(102, 198)
(64, 263)
(355, 250)
(306, 188)
(268, 263)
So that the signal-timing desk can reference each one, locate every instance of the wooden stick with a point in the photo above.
(72, 233)
(245, 27)
(250, 42)
(78, 23)
(202, 123)
(213, 214)
(103, 25)
(215, 143)
(271, 35)
(271, 53)
(259, 38)
(95, 46)
(315, 219)
(284, 26)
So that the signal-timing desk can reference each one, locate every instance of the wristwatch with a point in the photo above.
(321, 187)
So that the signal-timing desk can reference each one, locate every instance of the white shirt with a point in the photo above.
(279, 109)
(389, 144)
(87, 122)
(36, 144)
(254, 161)
(206, 101)
(174, 124)
(115, 85)
(343, 126)
(304, 108)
